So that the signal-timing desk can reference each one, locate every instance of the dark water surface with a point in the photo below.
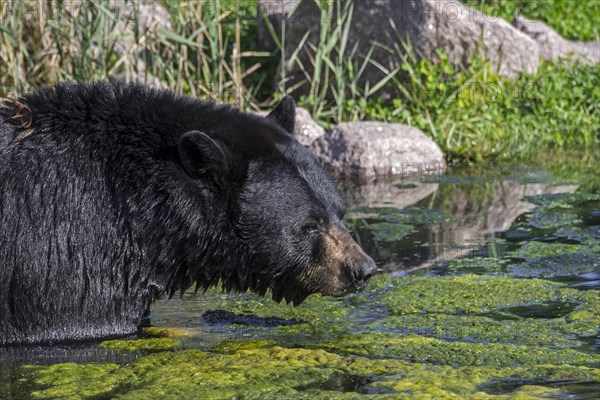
(530, 222)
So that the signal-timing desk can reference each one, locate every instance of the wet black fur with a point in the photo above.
(105, 206)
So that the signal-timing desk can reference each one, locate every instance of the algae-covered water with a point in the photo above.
(489, 289)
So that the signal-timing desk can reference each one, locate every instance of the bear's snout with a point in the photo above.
(346, 267)
(363, 272)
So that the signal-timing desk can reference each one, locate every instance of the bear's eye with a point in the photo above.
(311, 228)
(314, 227)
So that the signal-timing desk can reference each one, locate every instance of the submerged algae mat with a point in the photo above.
(295, 373)
(518, 318)
(433, 337)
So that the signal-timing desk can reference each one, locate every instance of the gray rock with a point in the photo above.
(151, 16)
(554, 47)
(459, 30)
(275, 11)
(306, 129)
(427, 25)
(365, 149)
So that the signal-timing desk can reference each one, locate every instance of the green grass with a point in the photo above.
(576, 20)
(211, 52)
(206, 54)
(476, 115)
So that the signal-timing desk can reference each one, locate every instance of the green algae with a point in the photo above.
(407, 216)
(489, 309)
(258, 373)
(561, 200)
(75, 381)
(152, 344)
(417, 348)
(479, 265)
(585, 320)
(545, 218)
(521, 331)
(469, 353)
(317, 314)
(535, 250)
(545, 260)
(405, 186)
(168, 332)
(389, 224)
(231, 346)
(589, 235)
(466, 307)
(276, 372)
(429, 381)
(467, 294)
(557, 211)
(390, 232)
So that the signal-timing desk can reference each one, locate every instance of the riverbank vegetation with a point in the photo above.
(210, 51)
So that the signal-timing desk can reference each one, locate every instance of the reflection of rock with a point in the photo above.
(396, 192)
(306, 129)
(364, 149)
(478, 210)
(554, 47)
(494, 212)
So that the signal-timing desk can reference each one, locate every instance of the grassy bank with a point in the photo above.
(210, 51)
(476, 115)
(573, 20)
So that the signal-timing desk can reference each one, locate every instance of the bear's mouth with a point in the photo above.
(359, 285)
(355, 286)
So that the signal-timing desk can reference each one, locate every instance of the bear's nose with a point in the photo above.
(364, 271)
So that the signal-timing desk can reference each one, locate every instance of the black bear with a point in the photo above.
(112, 195)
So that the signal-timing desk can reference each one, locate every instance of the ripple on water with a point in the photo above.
(547, 309)
(569, 389)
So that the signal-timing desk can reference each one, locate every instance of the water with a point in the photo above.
(526, 222)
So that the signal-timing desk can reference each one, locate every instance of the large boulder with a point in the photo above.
(427, 26)
(148, 17)
(366, 149)
(275, 11)
(461, 32)
(554, 47)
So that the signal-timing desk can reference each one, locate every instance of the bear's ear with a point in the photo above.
(202, 155)
(284, 114)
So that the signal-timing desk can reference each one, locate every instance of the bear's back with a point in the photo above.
(70, 110)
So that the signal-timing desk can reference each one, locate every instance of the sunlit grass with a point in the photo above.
(210, 51)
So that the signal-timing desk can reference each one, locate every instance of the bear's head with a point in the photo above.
(286, 211)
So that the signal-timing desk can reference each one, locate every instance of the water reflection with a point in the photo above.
(478, 209)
